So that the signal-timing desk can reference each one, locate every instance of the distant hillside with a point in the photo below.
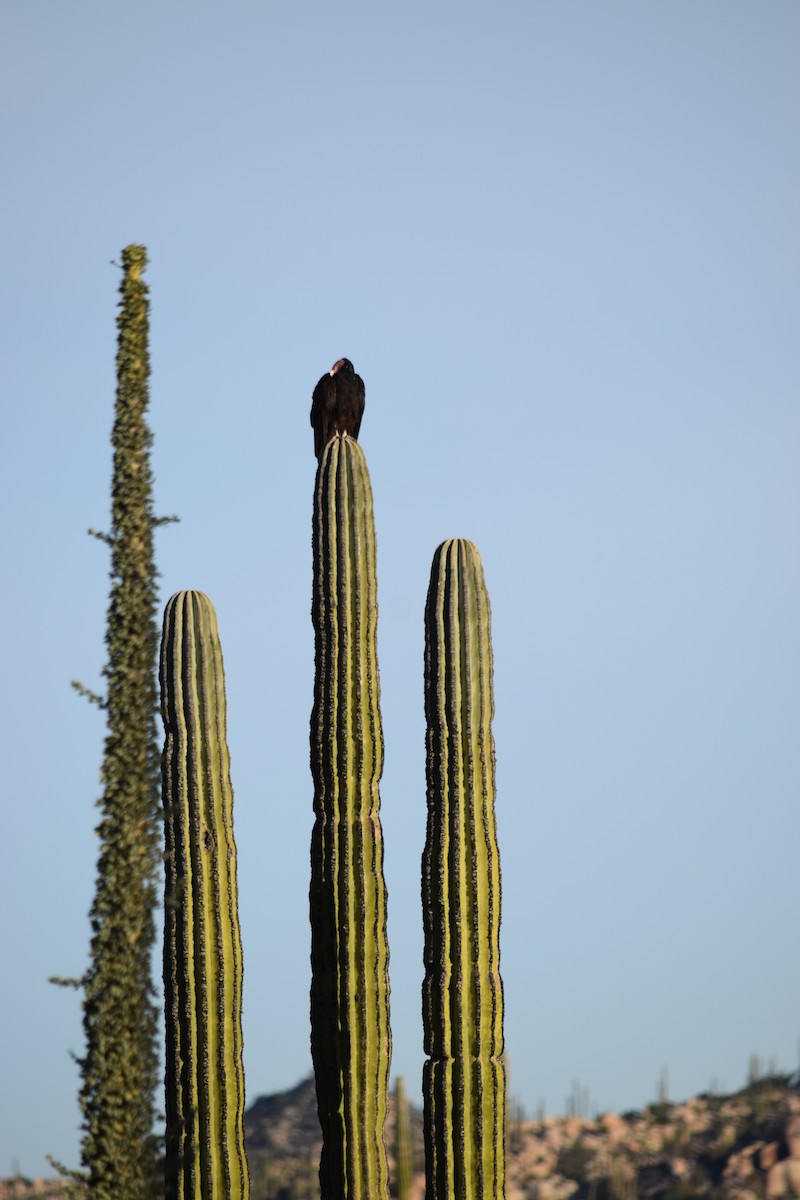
(733, 1147)
(284, 1142)
(745, 1146)
(741, 1147)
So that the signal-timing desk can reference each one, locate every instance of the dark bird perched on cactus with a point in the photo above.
(337, 404)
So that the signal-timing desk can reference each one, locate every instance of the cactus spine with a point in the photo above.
(464, 1077)
(202, 945)
(350, 1036)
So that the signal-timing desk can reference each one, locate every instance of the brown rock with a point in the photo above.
(768, 1156)
(784, 1178)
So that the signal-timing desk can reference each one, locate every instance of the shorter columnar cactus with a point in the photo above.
(403, 1158)
(205, 1154)
(464, 1077)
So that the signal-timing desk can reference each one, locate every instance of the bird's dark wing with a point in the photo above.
(359, 400)
(323, 407)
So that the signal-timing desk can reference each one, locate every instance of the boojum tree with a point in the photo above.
(119, 1070)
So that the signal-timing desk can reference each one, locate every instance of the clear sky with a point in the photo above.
(560, 243)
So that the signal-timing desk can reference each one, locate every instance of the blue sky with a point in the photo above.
(560, 243)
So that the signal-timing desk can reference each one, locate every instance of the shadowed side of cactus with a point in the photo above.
(350, 1035)
(205, 1154)
(403, 1158)
(463, 1078)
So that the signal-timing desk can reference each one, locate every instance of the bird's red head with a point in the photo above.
(343, 362)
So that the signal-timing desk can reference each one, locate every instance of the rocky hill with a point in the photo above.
(739, 1147)
(284, 1142)
(742, 1147)
(745, 1146)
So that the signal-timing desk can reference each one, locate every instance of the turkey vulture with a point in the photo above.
(337, 404)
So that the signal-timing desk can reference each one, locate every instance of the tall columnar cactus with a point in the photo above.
(403, 1156)
(202, 945)
(350, 1036)
(464, 1077)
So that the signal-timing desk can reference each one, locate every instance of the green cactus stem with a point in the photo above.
(205, 1154)
(463, 1077)
(350, 1035)
(403, 1157)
